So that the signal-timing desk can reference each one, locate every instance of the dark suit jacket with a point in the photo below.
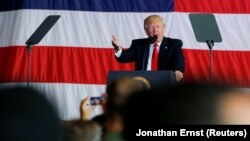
(170, 54)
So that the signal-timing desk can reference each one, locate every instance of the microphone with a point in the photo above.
(151, 40)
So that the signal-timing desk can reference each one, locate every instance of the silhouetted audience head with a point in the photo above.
(82, 131)
(26, 115)
(118, 90)
(186, 104)
(234, 108)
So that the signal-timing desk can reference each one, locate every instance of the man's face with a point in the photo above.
(155, 27)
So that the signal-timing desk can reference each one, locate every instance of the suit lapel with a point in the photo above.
(163, 51)
(146, 55)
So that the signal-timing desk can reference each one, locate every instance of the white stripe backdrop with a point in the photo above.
(65, 97)
(94, 29)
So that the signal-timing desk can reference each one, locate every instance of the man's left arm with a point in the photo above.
(180, 63)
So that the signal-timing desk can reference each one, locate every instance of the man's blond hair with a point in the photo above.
(149, 18)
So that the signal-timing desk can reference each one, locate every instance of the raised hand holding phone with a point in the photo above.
(86, 109)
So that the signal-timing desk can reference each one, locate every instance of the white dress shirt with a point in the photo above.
(151, 49)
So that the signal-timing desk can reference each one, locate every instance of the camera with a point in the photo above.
(96, 100)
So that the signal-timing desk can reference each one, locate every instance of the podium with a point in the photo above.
(151, 79)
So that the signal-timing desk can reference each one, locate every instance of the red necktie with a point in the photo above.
(154, 63)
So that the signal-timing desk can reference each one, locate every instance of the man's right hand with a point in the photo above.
(116, 44)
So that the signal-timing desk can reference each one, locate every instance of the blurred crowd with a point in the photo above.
(26, 115)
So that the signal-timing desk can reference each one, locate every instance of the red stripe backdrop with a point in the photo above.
(229, 67)
(68, 65)
(59, 64)
(213, 6)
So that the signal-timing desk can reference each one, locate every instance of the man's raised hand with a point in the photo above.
(116, 44)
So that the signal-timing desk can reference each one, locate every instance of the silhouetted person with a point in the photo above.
(184, 104)
(80, 130)
(26, 115)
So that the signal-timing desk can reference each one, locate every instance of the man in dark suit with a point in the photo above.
(154, 53)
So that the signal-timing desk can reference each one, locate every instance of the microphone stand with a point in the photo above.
(210, 44)
(29, 47)
(143, 63)
(151, 40)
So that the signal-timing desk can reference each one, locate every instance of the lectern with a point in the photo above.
(149, 79)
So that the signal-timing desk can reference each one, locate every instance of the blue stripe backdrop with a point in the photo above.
(91, 5)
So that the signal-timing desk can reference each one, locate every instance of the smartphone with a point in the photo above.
(96, 100)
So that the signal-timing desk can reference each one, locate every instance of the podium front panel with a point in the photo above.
(155, 79)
